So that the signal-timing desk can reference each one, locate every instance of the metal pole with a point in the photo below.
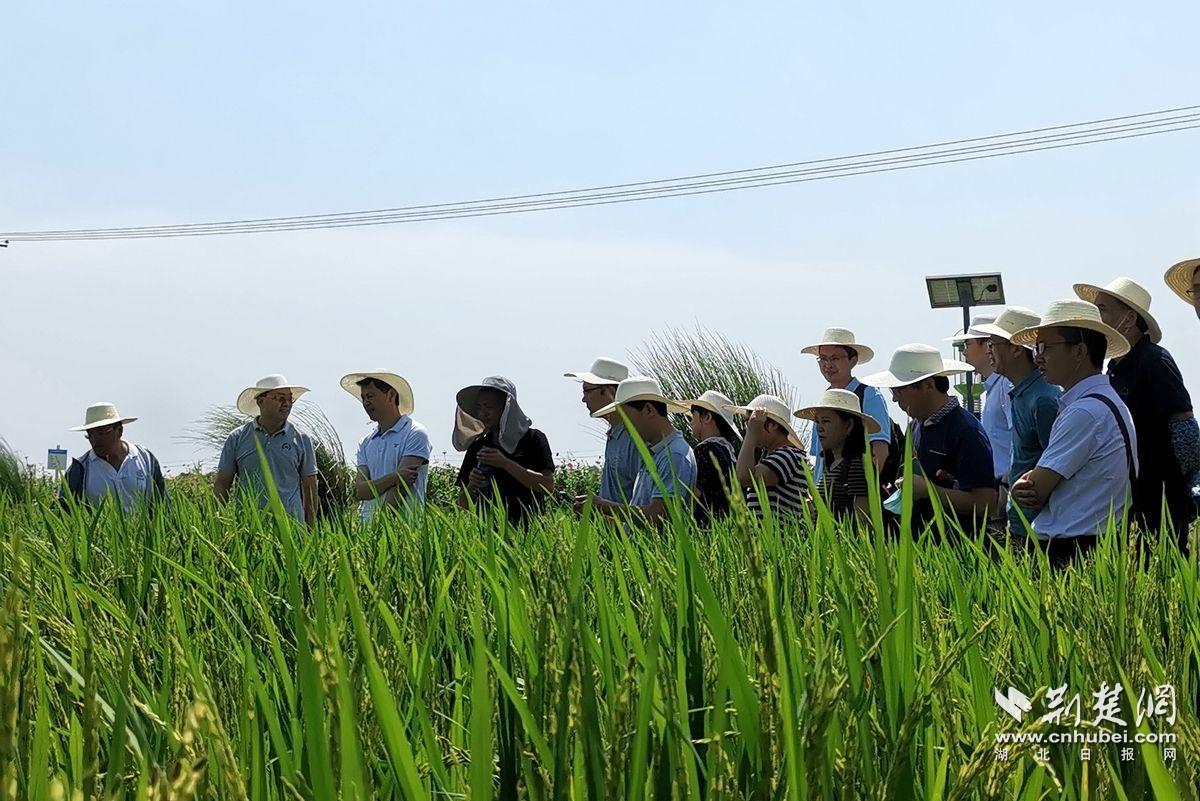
(965, 298)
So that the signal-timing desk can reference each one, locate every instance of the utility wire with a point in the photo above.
(1033, 140)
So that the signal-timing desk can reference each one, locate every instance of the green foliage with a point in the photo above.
(689, 363)
(14, 477)
(222, 652)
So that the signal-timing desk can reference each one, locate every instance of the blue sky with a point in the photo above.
(141, 113)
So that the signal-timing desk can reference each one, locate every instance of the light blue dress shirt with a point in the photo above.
(622, 463)
(997, 422)
(381, 451)
(676, 466)
(1087, 450)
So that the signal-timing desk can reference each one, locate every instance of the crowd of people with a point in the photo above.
(1062, 444)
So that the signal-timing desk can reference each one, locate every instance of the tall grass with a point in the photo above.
(222, 652)
(686, 363)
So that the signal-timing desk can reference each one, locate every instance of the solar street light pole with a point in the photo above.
(964, 298)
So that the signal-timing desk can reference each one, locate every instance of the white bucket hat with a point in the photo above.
(246, 398)
(350, 381)
(1129, 292)
(840, 400)
(915, 362)
(101, 414)
(776, 409)
(973, 331)
(604, 372)
(1180, 278)
(717, 403)
(1009, 321)
(843, 337)
(1074, 314)
(640, 388)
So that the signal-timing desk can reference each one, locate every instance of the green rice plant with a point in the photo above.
(687, 363)
(208, 651)
(14, 477)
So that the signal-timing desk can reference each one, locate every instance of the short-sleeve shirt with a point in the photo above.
(622, 463)
(1086, 448)
(1149, 382)
(952, 452)
(131, 483)
(381, 451)
(675, 464)
(532, 452)
(715, 460)
(290, 455)
(787, 497)
(996, 418)
(873, 404)
(845, 482)
(1034, 405)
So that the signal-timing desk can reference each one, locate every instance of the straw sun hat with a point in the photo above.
(840, 400)
(271, 383)
(604, 372)
(1129, 292)
(639, 388)
(101, 414)
(913, 363)
(350, 384)
(715, 402)
(973, 330)
(776, 410)
(1011, 320)
(843, 337)
(1074, 314)
(1180, 278)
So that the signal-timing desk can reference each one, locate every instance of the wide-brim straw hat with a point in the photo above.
(1129, 292)
(604, 372)
(350, 381)
(1180, 278)
(776, 410)
(1074, 314)
(1009, 321)
(640, 388)
(973, 330)
(840, 400)
(715, 402)
(101, 414)
(271, 383)
(912, 363)
(843, 337)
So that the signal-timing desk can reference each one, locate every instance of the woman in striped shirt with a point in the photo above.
(842, 429)
(781, 471)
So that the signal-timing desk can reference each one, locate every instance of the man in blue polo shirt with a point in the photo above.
(838, 353)
(393, 460)
(1087, 469)
(995, 415)
(622, 462)
(952, 451)
(674, 468)
(289, 453)
(1033, 402)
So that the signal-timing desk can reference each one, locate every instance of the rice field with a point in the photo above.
(221, 653)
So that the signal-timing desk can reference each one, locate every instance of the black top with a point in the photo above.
(843, 484)
(1151, 385)
(952, 451)
(532, 452)
(715, 461)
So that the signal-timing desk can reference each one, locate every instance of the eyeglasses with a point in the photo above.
(590, 390)
(278, 397)
(832, 359)
(1040, 347)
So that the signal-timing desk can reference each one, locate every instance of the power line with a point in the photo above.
(1033, 140)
